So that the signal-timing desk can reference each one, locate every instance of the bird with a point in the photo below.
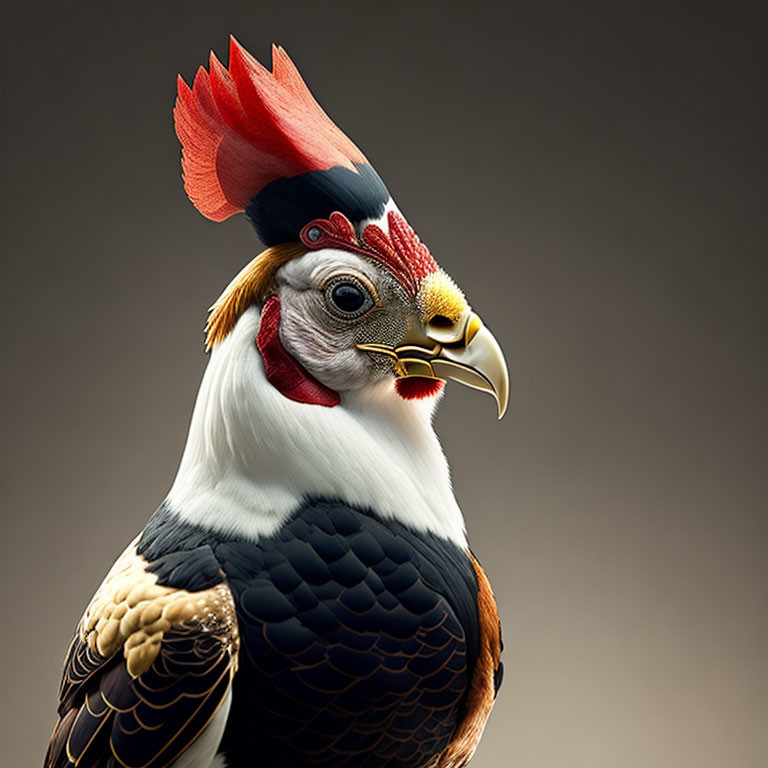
(305, 595)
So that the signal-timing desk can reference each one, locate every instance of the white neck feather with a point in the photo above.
(253, 455)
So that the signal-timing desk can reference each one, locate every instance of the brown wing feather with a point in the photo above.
(147, 670)
(486, 678)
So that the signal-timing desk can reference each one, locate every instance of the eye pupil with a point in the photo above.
(348, 297)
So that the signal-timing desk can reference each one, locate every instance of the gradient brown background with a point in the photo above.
(593, 176)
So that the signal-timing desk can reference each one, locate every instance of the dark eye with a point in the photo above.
(348, 298)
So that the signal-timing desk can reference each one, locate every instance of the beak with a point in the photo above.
(464, 351)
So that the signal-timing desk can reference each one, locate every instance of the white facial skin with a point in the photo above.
(321, 337)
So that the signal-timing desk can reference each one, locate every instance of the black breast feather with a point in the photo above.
(359, 637)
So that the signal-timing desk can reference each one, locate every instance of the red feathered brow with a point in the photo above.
(244, 127)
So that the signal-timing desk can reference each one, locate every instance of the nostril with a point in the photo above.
(441, 321)
(444, 330)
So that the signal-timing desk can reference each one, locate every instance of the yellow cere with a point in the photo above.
(439, 295)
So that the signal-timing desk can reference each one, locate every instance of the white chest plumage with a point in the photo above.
(253, 455)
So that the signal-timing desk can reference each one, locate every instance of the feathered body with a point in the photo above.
(305, 595)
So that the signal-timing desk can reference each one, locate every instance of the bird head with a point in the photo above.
(348, 295)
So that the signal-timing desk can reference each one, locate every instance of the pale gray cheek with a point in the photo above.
(325, 348)
(383, 327)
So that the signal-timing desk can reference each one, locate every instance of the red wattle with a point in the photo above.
(284, 373)
(417, 387)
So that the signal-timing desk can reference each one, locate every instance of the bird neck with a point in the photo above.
(253, 456)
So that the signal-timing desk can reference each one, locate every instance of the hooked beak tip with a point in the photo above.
(476, 361)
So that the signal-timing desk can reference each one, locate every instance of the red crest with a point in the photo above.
(244, 127)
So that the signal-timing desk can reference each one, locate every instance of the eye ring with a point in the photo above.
(348, 297)
(314, 234)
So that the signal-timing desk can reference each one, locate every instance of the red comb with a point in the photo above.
(244, 127)
(402, 252)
